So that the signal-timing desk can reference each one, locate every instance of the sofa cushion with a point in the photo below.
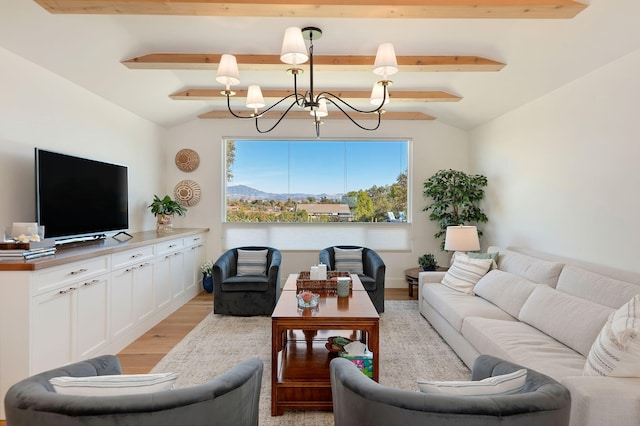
(616, 351)
(523, 344)
(252, 262)
(246, 283)
(534, 269)
(111, 385)
(504, 384)
(505, 290)
(493, 256)
(595, 287)
(348, 260)
(573, 321)
(454, 306)
(464, 272)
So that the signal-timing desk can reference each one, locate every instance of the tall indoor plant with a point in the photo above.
(454, 197)
(164, 209)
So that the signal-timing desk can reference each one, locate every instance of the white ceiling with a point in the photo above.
(540, 55)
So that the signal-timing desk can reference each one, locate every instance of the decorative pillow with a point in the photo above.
(505, 384)
(120, 384)
(464, 273)
(348, 260)
(252, 262)
(493, 256)
(616, 350)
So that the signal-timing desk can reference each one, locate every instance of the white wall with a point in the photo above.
(563, 171)
(435, 146)
(40, 109)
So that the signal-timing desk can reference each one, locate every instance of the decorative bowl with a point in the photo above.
(306, 299)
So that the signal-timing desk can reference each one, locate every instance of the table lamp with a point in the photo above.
(461, 238)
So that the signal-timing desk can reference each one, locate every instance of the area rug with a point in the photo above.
(409, 349)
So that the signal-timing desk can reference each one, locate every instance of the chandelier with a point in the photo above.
(294, 52)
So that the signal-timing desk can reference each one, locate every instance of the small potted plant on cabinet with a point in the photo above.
(428, 262)
(164, 209)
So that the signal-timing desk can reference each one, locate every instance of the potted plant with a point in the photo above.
(428, 262)
(164, 209)
(207, 278)
(455, 197)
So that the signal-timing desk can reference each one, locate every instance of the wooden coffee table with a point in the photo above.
(299, 359)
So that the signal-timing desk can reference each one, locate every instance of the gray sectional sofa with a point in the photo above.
(543, 312)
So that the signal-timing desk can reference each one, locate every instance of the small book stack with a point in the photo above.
(30, 250)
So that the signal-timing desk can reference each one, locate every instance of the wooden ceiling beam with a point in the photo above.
(195, 61)
(510, 9)
(395, 95)
(333, 115)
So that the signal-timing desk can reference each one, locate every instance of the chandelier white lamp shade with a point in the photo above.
(379, 93)
(295, 52)
(461, 238)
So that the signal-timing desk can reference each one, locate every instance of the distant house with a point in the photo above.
(340, 211)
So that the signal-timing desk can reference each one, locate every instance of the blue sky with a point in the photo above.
(317, 167)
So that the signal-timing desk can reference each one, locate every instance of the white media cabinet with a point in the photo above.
(92, 299)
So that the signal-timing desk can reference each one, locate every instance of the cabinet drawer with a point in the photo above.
(128, 257)
(169, 246)
(194, 240)
(51, 278)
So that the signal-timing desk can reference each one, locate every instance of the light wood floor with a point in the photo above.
(143, 354)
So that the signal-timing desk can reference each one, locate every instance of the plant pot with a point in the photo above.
(426, 268)
(164, 223)
(207, 282)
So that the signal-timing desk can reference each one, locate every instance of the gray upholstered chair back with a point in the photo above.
(231, 398)
(358, 400)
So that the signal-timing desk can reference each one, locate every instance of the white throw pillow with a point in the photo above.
(252, 262)
(120, 384)
(616, 350)
(505, 384)
(464, 273)
(349, 260)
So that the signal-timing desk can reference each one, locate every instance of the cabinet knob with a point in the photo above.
(92, 282)
(79, 271)
(69, 290)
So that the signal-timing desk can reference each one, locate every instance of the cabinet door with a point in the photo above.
(177, 275)
(121, 311)
(143, 305)
(189, 271)
(52, 337)
(92, 317)
(162, 282)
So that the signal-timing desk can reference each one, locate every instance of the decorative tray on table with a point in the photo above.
(304, 282)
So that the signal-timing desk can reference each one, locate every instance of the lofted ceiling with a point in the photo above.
(461, 62)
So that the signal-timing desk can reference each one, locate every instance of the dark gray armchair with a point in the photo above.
(231, 398)
(373, 272)
(358, 400)
(245, 295)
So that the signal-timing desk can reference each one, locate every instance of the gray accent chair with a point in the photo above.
(373, 268)
(245, 295)
(358, 400)
(229, 399)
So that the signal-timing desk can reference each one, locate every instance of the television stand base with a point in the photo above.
(68, 242)
(122, 236)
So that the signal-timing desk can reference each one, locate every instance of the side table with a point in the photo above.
(412, 275)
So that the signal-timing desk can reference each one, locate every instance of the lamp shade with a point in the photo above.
(377, 94)
(254, 97)
(293, 51)
(461, 238)
(228, 73)
(386, 63)
(322, 109)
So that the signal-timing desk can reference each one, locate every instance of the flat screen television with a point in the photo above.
(79, 197)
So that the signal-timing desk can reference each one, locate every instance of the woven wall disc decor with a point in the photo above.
(187, 160)
(187, 193)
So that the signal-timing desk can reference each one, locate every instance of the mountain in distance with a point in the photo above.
(243, 192)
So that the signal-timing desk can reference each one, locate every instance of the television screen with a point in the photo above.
(80, 197)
